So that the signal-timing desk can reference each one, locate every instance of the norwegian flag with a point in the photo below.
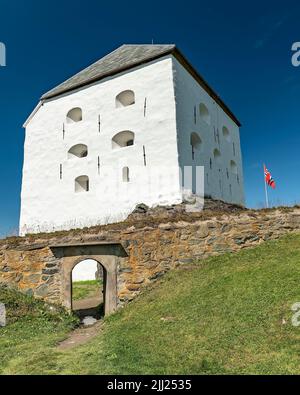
(268, 178)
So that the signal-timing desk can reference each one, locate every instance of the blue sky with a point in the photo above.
(243, 51)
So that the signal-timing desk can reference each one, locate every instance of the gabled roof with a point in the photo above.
(125, 58)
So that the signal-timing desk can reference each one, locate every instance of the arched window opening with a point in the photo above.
(233, 167)
(196, 143)
(204, 113)
(88, 289)
(125, 174)
(125, 98)
(226, 134)
(123, 139)
(217, 156)
(82, 184)
(78, 151)
(74, 115)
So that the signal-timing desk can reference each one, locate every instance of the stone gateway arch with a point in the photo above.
(106, 254)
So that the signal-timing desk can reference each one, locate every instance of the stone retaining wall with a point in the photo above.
(31, 267)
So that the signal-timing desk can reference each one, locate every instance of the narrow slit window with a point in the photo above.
(144, 155)
(125, 174)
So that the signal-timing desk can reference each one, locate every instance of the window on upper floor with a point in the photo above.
(123, 139)
(125, 98)
(78, 151)
(196, 143)
(82, 184)
(204, 113)
(233, 167)
(74, 115)
(226, 134)
(125, 174)
(217, 156)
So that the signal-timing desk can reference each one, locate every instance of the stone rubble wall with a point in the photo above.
(31, 267)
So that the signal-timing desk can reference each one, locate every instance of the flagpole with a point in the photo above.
(266, 189)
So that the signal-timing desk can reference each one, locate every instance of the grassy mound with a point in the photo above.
(228, 314)
(32, 328)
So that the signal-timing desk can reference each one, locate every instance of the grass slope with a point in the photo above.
(33, 328)
(228, 314)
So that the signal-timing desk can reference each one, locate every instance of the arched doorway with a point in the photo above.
(88, 279)
(108, 254)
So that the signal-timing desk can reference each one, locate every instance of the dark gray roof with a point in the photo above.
(127, 57)
(123, 58)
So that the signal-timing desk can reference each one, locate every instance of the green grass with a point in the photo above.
(84, 289)
(33, 329)
(229, 314)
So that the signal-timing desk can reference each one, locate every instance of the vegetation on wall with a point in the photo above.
(226, 314)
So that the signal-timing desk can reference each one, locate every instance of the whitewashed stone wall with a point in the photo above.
(50, 203)
(162, 129)
(218, 175)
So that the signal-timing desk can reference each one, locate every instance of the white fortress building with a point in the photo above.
(118, 133)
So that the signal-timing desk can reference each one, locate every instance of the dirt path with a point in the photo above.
(80, 336)
(84, 308)
(88, 303)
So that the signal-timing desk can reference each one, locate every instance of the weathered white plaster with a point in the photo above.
(162, 129)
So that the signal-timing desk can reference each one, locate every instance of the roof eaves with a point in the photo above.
(184, 62)
(109, 74)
